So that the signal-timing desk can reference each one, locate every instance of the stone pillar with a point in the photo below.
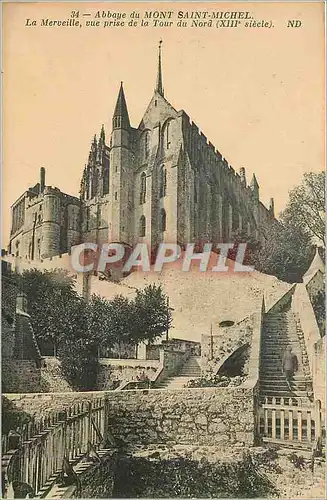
(21, 302)
(240, 222)
(141, 350)
(220, 215)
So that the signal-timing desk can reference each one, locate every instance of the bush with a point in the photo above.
(216, 381)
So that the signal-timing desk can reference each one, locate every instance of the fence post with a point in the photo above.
(318, 419)
(89, 422)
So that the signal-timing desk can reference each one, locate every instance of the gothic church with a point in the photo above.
(161, 181)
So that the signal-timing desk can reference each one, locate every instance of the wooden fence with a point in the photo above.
(286, 421)
(34, 452)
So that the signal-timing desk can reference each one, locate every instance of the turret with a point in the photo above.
(50, 244)
(121, 178)
(272, 207)
(42, 179)
(243, 176)
(101, 146)
(254, 186)
(120, 119)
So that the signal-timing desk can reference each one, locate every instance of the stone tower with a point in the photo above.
(121, 174)
(50, 243)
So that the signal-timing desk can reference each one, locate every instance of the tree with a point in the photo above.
(282, 250)
(285, 251)
(78, 355)
(60, 320)
(306, 206)
(319, 307)
(100, 321)
(152, 314)
(121, 323)
(53, 304)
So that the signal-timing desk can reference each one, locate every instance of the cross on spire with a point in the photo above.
(159, 87)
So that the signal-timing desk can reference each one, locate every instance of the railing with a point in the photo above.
(34, 453)
(285, 420)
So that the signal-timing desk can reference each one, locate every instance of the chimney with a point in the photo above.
(242, 175)
(42, 179)
(272, 207)
(21, 302)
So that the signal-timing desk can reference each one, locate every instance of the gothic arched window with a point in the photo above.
(105, 185)
(145, 145)
(162, 182)
(142, 226)
(168, 135)
(163, 220)
(17, 248)
(195, 193)
(38, 248)
(143, 188)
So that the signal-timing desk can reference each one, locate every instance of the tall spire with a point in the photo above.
(159, 87)
(121, 118)
(102, 135)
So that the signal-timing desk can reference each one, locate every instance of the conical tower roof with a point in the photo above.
(121, 109)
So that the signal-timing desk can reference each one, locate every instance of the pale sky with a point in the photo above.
(256, 93)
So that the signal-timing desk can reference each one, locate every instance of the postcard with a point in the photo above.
(163, 249)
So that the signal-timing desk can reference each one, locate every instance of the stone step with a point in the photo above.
(281, 333)
(277, 383)
(275, 352)
(271, 364)
(285, 327)
(190, 373)
(282, 387)
(283, 340)
(174, 382)
(273, 377)
(284, 394)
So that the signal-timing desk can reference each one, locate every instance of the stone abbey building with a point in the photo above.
(160, 181)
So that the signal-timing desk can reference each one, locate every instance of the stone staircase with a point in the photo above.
(190, 370)
(280, 330)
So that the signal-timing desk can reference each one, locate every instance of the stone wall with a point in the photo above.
(112, 372)
(221, 417)
(193, 348)
(98, 480)
(52, 379)
(171, 361)
(215, 348)
(315, 285)
(319, 371)
(302, 307)
(20, 375)
(211, 416)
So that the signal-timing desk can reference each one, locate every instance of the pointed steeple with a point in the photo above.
(254, 183)
(254, 186)
(102, 135)
(159, 87)
(101, 145)
(93, 151)
(121, 118)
